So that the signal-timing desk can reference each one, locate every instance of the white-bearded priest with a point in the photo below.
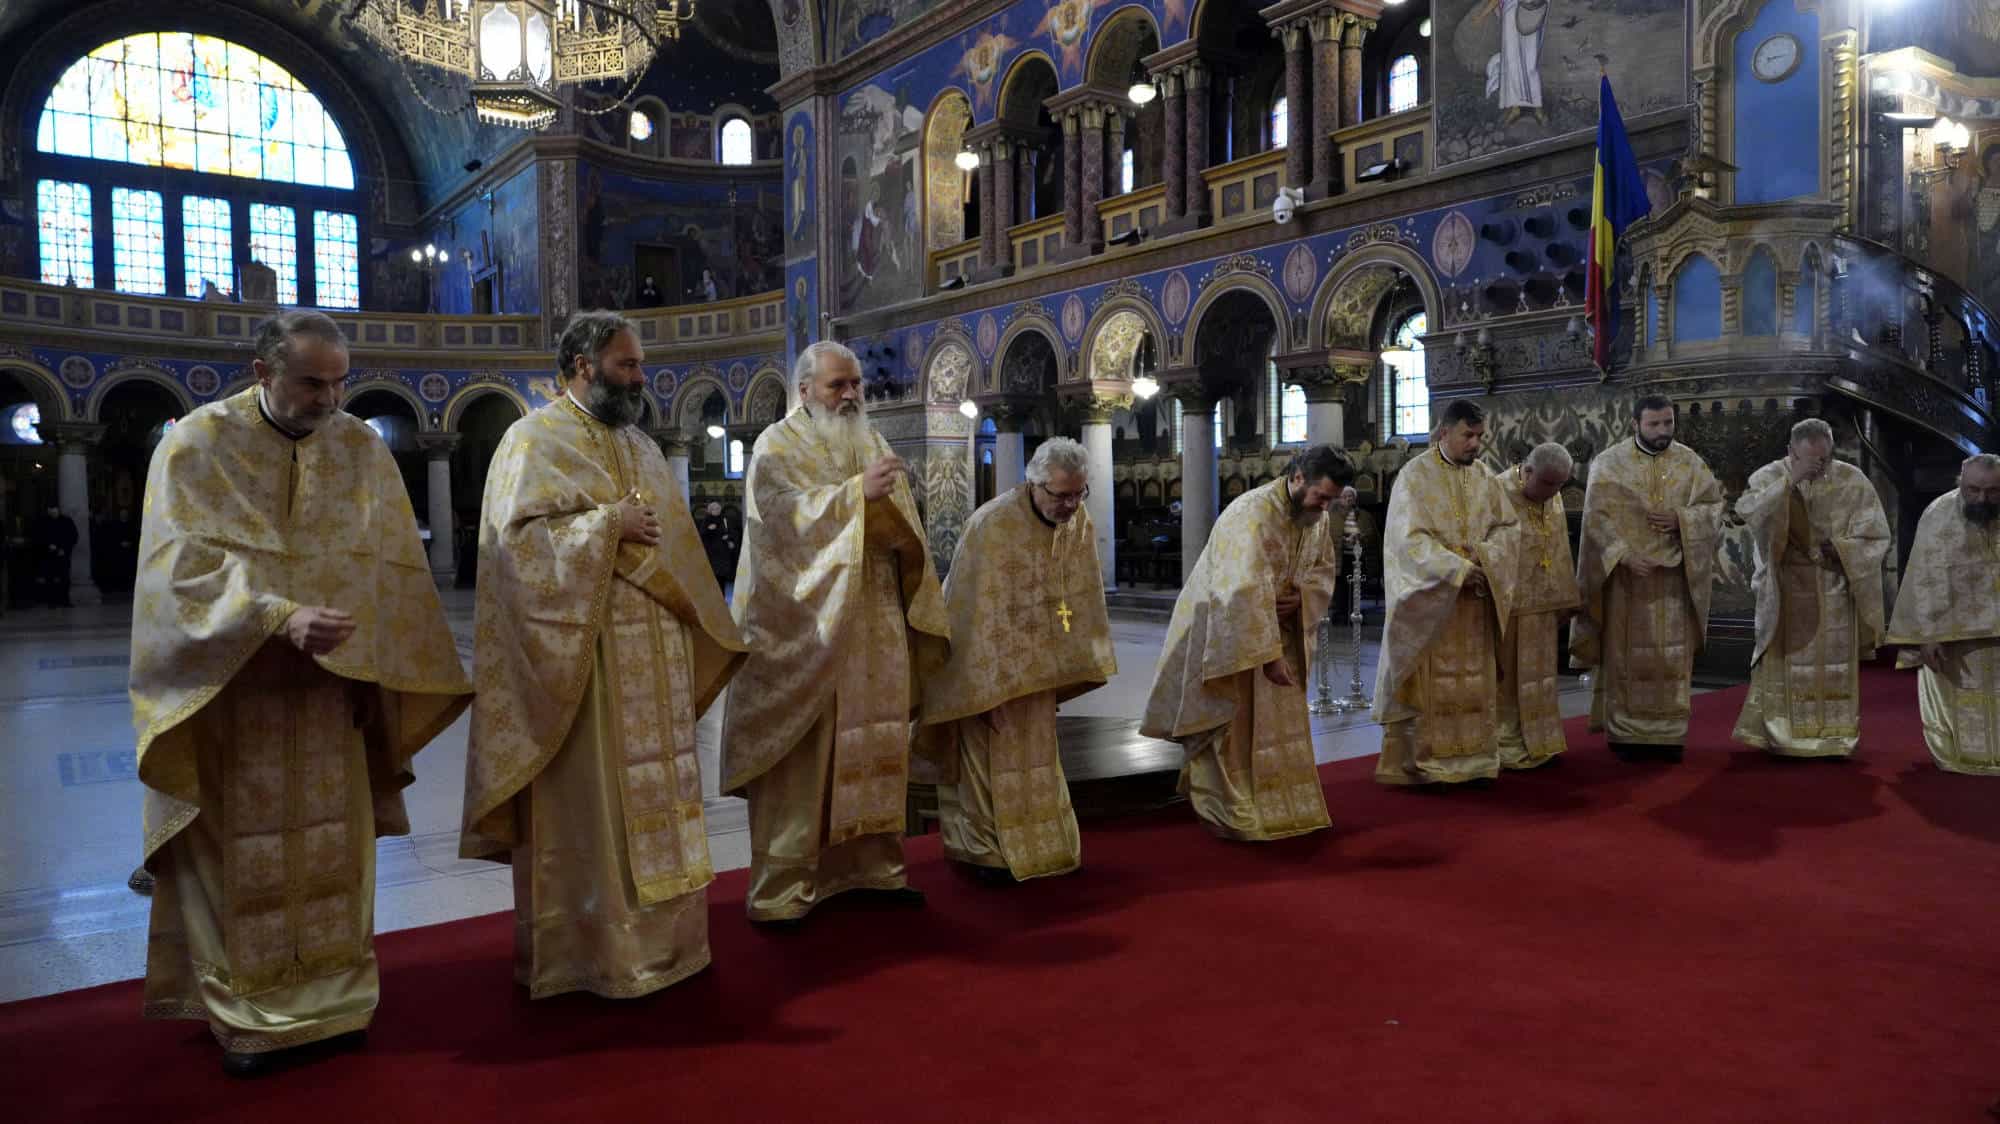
(1819, 535)
(601, 637)
(840, 608)
(1531, 732)
(1230, 684)
(1448, 580)
(289, 658)
(1948, 618)
(1652, 513)
(1028, 630)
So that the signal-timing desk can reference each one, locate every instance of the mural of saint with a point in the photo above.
(1514, 73)
(800, 181)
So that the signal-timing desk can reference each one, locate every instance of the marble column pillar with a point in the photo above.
(678, 448)
(1324, 56)
(1352, 34)
(1092, 144)
(1198, 479)
(437, 449)
(73, 441)
(1173, 147)
(1010, 460)
(1103, 492)
(1072, 124)
(992, 234)
(1196, 134)
(1004, 219)
(1299, 125)
(1326, 416)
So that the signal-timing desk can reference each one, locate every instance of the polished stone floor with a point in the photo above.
(69, 799)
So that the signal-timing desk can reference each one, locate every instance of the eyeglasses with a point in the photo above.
(1065, 497)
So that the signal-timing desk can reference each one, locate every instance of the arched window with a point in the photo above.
(1403, 91)
(737, 144)
(1288, 417)
(226, 149)
(1406, 396)
(641, 126)
(1281, 123)
(1125, 172)
(1760, 296)
(734, 466)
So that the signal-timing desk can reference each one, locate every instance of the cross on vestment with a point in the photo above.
(1063, 611)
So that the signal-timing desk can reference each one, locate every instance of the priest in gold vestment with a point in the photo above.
(1948, 618)
(1029, 629)
(601, 637)
(289, 658)
(1819, 535)
(841, 610)
(1530, 723)
(1448, 577)
(1230, 683)
(1652, 515)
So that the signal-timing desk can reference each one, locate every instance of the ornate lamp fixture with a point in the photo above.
(518, 54)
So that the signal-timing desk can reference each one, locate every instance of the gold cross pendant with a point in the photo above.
(1062, 610)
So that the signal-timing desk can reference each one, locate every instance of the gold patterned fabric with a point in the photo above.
(1643, 632)
(1950, 596)
(1435, 682)
(594, 658)
(269, 773)
(1819, 614)
(1530, 729)
(1250, 771)
(844, 619)
(1029, 629)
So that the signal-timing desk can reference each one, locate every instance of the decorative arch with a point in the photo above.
(766, 383)
(419, 409)
(1696, 288)
(655, 112)
(975, 377)
(454, 407)
(48, 391)
(1757, 290)
(1380, 254)
(1033, 322)
(945, 188)
(1023, 64)
(1144, 310)
(685, 398)
(1236, 283)
(724, 114)
(119, 376)
(1111, 31)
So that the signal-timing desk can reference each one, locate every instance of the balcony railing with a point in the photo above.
(1894, 310)
(1139, 209)
(1404, 138)
(1036, 243)
(1244, 188)
(951, 262)
(754, 315)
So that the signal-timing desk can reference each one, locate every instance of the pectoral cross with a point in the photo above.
(1063, 611)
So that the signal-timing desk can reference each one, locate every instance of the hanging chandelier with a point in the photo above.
(518, 54)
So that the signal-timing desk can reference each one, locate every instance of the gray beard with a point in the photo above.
(615, 406)
(846, 436)
(1982, 514)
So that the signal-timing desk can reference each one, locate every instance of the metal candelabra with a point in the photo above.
(1357, 700)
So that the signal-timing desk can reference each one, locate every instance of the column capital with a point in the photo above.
(70, 437)
(673, 441)
(1008, 414)
(1097, 400)
(438, 446)
(1354, 30)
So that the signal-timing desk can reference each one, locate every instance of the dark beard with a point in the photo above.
(1662, 447)
(616, 406)
(1982, 514)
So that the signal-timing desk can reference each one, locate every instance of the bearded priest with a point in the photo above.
(841, 610)
(1230, 684)
(601, 638)
(1948, 618)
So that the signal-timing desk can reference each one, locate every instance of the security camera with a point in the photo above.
(1287, 204)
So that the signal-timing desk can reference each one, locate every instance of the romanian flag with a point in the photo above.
(1617, 200)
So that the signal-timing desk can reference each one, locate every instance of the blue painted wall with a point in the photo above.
(1697, 301)
(1778, 123)
(1760, 296)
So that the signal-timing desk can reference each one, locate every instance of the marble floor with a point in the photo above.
(69, 796)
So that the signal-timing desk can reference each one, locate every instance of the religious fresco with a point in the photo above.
(1513, 72)
(853, 24)
(876, 149)
(802, 318)
(735, 230)
(801, 200)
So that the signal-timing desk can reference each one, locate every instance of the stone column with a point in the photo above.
(1198, 480)
(1010, 461)
(1097, 415)
(1196, 133)
(437, 449)
(1173, 155)
(1352, 33)
(73, 441)
(1300, 131)
(1324, 55)
(1326, 406)
(1092, 143)
(677, 447)
(1072, 124)
(1115, 128)
(1004, 220)
(992, 234)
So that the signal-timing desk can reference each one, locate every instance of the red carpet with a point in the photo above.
(1735, 939)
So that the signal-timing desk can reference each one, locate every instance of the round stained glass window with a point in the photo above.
(24, 422)
(642, 127)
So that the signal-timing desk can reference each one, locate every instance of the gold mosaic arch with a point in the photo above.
(1021, 64)
(1104, 337)
(52, 393)
(1030, 323)
(940, 346)
(1109, 30)
(766, 377)
(1320, 335)
(119, 376)
(454, 407)
(943, 196)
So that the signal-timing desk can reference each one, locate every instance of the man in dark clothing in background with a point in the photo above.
(54, 537)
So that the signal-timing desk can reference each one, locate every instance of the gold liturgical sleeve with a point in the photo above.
(1843, 506)
(1951, 583)
(1625, 484)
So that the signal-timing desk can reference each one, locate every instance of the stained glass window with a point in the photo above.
(1403, 84)
(336, 260)
(642, 126)
(1290, 416)
(195, 102)
(274, 241)
(62, 211)
(1406, 394)
(138, 242)
(1125, 171)
(736, 141)
(1281, 123)
(206, 238)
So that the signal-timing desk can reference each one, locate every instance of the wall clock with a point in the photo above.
(1776, 58)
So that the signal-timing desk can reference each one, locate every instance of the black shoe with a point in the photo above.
(1479, 784)
(266, 1062)
(991, 875)
(778, 924)
(1630, 754)
(247, 1065)
(141, 882)
(902, 897)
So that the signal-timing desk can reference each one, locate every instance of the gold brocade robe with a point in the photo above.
(1530, 722)
(1029, 629)
(594, 659)
(1951, 596)
(1436, 694)
(1250, 768)
(1644, 631)
(1818, 614)
(268, 773)
(844, 620)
